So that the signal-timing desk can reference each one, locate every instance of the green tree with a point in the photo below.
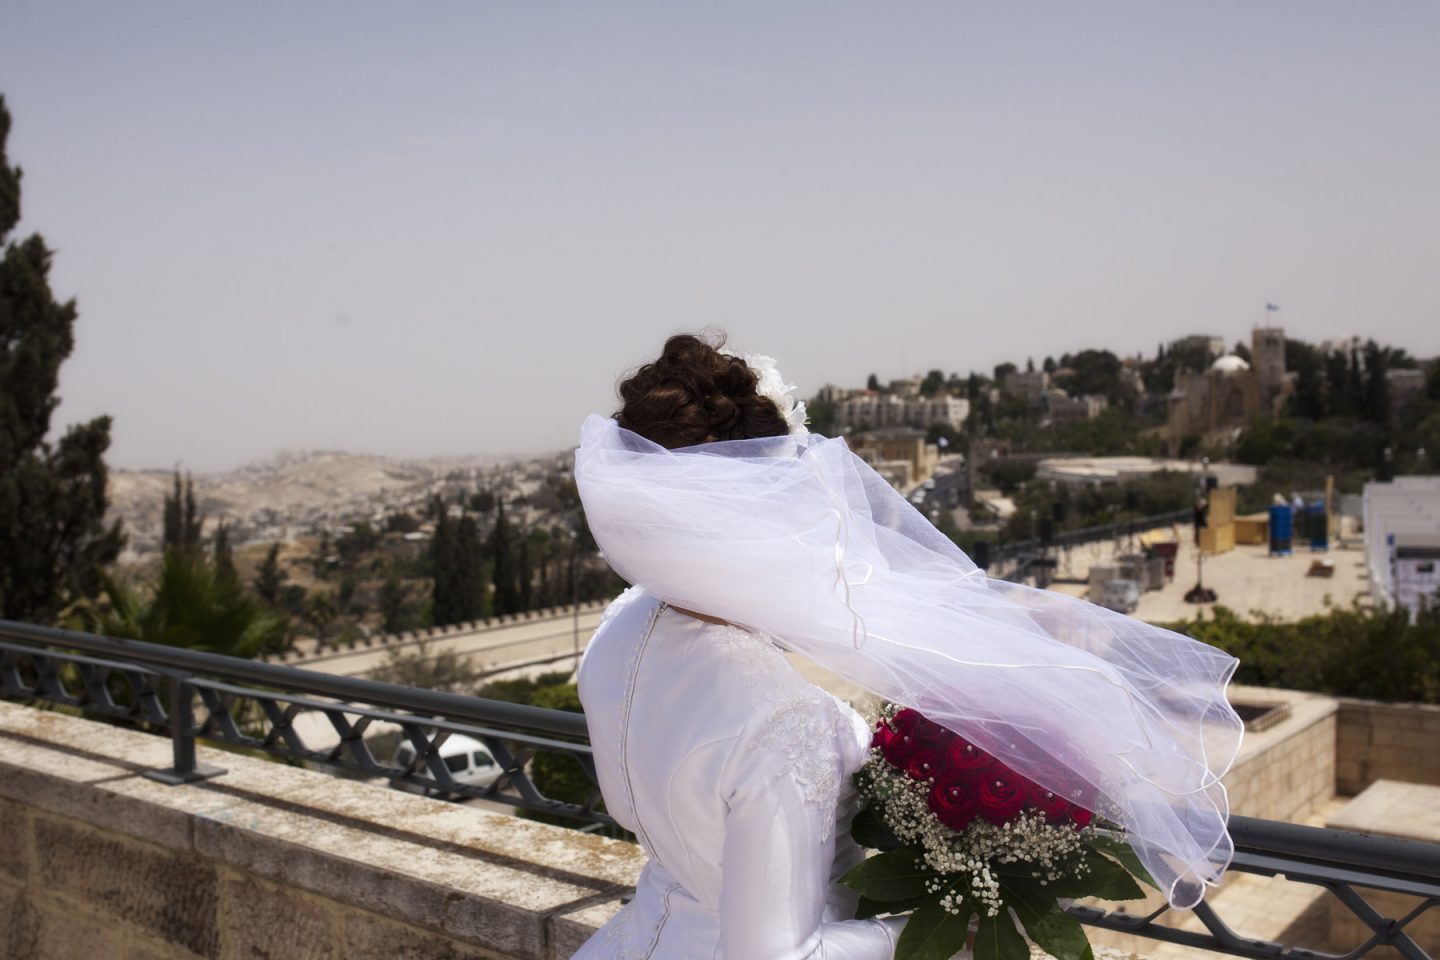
(182, 521)
(933, 383)
(269, 577)
(397, 609)
(55, 543)
(1377, 383)
(1337, 396)
(224, 556)
(320, 612)
(557, 776)
(359, 539)
(1309, 399)
(456, 561)
(190, 607)
(504, 575)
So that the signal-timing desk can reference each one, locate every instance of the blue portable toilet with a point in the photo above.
(1280, 530)
(1317, 525)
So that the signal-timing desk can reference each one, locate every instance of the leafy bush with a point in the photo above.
(1354, 652)
(558, 776)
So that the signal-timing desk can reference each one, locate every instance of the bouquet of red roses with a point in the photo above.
(962, 835)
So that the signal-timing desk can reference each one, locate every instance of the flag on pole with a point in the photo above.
(1272, 306)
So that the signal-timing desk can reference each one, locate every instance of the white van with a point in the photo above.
(467, 759)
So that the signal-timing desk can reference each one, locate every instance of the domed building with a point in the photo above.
(1225, 396)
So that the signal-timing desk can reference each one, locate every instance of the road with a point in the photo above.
(494, 647)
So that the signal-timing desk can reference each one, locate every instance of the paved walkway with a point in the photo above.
(1246, 579)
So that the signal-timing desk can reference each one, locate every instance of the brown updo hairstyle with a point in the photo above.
(696, 394)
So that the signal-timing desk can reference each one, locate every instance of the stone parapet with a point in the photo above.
(271, 860)
(1386, 741)
(1286, 771)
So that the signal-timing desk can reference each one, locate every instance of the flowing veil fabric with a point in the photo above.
(798, 537)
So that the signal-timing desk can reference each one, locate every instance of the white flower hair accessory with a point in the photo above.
(773, 386)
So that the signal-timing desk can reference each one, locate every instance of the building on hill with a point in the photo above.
(1066, 409)
(899, 454)
(907, 386)
(1267, 356)
(871, 411)
(1225, 396)
(1405, 385)
(1214, 346)
(1031, 385)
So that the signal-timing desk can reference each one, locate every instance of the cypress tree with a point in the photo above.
(224, 556)
(1355, 384)
(269, 577)
(442, 563)
(182, 523)
(507, 593)
(52, 497)
(1337, 397)
(1309, 399)
(1377, 383)
(468, 590)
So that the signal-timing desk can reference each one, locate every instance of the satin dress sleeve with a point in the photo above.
(781, 838)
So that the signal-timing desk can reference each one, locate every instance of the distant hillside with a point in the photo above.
(291, 493)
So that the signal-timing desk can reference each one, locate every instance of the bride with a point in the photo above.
(745, 536)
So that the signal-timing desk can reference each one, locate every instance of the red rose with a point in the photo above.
(962, 756)
(931, 734)
(906, 720)
(901, 745)
(883, 736)
(1001, 793)
(1080, 817)
(906, 738)
(924, 763)
(954, 803)
(1054, 806)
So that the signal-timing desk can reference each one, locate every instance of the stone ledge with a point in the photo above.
(493, 885)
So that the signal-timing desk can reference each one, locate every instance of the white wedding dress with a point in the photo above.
(734, 773)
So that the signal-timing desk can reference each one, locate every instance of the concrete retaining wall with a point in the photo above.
(269, 860)
(1386, 741)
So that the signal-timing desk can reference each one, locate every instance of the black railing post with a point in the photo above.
(184, 767)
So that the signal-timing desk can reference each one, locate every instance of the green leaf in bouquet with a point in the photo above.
(1052, 929)
(873, 908)
(897, 875)
(997, 939)
(933, 933)
(1106, 880)
(868, 830)
(1118, 849)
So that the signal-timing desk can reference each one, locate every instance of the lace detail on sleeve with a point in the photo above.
(804, 725)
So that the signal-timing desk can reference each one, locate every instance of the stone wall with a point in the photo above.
(270, 860)
(1287, 771)
(1386, 741)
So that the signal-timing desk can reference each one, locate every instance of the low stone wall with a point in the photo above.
(269, 860)
(1386, 741)
(1285, 772)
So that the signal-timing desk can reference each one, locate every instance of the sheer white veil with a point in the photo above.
(798, 537)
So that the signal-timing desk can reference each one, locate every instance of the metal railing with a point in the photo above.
(191, 694)
(208, 696)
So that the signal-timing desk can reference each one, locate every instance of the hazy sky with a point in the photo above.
(444, 228)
